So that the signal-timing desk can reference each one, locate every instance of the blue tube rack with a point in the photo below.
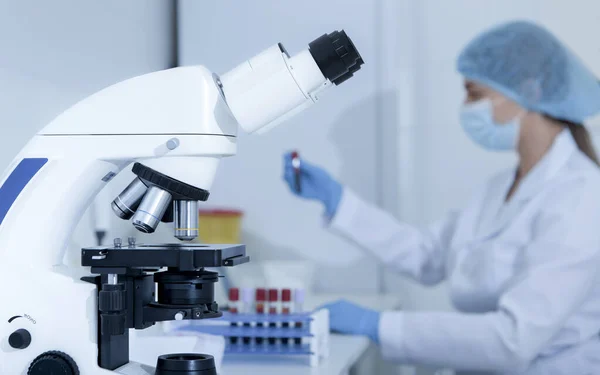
(265, 318)
(223, 326)
(234, 349)
(244, 338)
(220, 327)
(254, 332)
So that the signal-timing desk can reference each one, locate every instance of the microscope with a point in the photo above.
(71, 311)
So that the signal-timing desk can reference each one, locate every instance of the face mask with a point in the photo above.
(477, 120)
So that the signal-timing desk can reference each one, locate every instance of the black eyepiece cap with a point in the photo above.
(337, 57)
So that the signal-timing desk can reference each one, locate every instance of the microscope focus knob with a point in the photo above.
(19, 339)
(55, 363)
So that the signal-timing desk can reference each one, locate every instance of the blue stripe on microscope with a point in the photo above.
(16, 182)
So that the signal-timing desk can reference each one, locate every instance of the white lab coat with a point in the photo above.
(523, 275)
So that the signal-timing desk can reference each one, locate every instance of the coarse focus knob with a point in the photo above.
(55, 363)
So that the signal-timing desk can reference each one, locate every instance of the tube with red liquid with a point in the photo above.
(273, 310)
(298, 308)
(296, 165)
(234, 301)
(261, 299)
(286, 309)
(247, 298)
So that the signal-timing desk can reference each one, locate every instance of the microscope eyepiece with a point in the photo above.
(337, 57)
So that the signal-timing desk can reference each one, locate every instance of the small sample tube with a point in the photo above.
(273, 310)
(286, 309)
(297, 173)
(234, 302)
(298, 308)
(247, 298)
(261, 299)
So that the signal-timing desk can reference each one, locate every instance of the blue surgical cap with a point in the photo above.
(529, 65)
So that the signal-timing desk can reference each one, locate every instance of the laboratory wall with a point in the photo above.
(55, 53)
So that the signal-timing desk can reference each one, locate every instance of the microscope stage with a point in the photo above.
(183, 257)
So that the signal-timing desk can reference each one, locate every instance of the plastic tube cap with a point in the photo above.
(261, 294)
(234, 294)
(273, 295)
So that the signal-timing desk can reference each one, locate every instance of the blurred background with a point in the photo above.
(391, 133)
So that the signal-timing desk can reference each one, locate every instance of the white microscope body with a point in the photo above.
(178, 122)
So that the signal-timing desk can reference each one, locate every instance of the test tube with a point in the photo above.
(296, 165)
(286, 309)
(273, 310)
(247, 309)
(234, 302)
(261, 299)
(298, 308)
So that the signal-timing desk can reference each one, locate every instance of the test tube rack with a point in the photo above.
(265, 334)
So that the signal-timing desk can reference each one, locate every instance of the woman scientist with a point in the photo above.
(522, 259)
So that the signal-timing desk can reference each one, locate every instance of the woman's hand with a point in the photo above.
(315, 183)
(349, 318)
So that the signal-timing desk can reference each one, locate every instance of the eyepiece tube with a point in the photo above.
(128, 201)
(185, 216)
(151, 210)
(273, 86)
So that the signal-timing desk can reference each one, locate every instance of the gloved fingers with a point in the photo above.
(288, 177)
(288, 166)
(326, 305)
(288, 169)
(334, 306)
(310, 169)
(306, 168)
(287, 157)
(288, 173)
(339, 317)
(307, 191)
(287, 161)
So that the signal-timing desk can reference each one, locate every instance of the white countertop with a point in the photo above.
(345, 351)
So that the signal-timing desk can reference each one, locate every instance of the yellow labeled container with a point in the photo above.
(219, 226)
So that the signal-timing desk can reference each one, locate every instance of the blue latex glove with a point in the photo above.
(349, 318)
(315, 183)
